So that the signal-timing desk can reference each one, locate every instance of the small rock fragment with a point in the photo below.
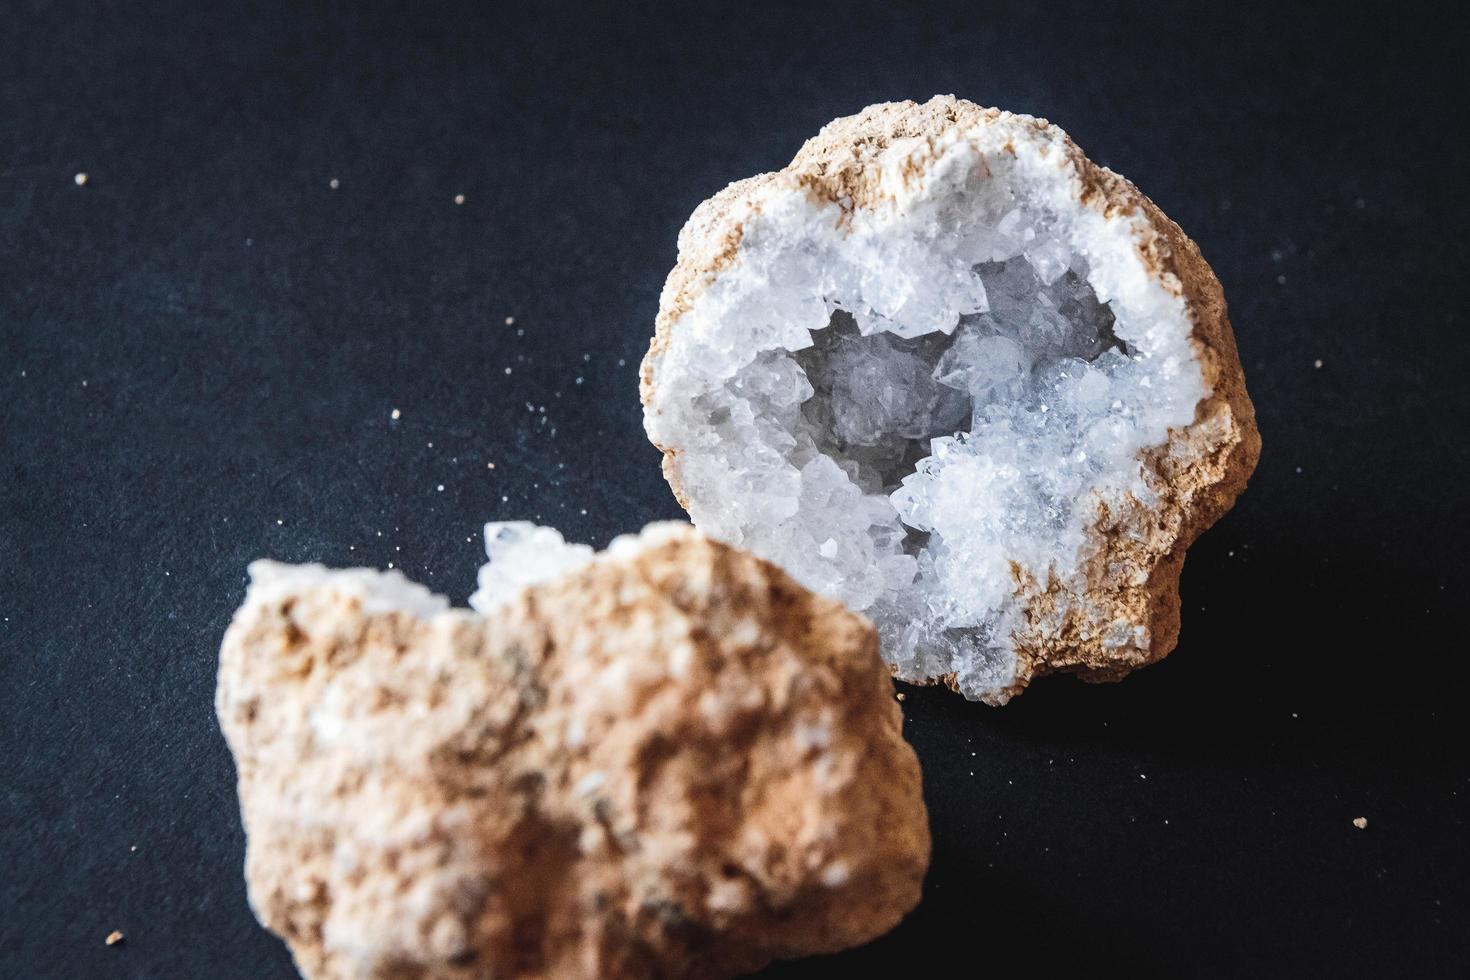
(114, 937)
(1360, 822)
(667, 760)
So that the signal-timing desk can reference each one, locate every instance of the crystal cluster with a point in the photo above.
(522, 554)
(929, 369)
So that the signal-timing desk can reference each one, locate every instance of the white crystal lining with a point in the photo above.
(904, 406)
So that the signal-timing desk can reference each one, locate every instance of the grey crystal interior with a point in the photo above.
(879, 400)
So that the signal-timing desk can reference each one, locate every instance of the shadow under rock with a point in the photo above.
(1273, 631)
(1051, 848)
(974, 919)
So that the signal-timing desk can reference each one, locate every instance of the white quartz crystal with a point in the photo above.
(907, 404)
(522, 554)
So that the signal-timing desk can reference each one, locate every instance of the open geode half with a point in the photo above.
(948, 370)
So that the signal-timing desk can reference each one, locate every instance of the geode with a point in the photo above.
(670, 760)
(948, 370)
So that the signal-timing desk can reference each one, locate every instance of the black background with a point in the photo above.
(201, 347)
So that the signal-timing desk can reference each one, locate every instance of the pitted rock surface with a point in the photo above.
(673, 761)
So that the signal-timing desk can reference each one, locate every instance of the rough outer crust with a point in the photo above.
(1136, 556)
(680, 764)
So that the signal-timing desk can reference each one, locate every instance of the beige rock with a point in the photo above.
(1119, 609)
(673, 762)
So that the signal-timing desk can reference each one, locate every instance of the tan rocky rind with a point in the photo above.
(1134, 557)
(675, 763)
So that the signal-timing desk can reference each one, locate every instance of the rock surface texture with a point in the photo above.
(948, 370)
(669, 761)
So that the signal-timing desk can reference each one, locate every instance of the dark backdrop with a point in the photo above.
(201, 347)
